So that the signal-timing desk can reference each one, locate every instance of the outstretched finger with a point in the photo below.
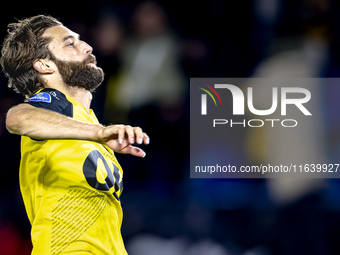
(121, 134)
(134, 151)
(130, 134)
(139, 135)
(146, 138)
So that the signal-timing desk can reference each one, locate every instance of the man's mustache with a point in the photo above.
(91, 59)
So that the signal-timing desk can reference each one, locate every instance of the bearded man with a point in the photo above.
(70, 179)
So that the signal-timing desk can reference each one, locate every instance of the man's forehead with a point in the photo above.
(59, 33)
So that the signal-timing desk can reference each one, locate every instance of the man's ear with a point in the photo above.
(43, 66)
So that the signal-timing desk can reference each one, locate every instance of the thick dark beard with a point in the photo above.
(80, 74)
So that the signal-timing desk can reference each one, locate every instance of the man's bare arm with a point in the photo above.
(39, 123)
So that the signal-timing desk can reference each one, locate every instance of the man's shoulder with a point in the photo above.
(52, 99)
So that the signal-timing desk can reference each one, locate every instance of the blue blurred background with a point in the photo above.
(148, 51)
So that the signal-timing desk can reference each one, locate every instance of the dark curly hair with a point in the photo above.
(22, 46)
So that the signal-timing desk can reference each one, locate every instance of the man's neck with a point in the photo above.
(83, 96)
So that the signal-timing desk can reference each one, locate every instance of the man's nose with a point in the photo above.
(87, 50)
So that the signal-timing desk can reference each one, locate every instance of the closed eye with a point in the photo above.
(72, 39)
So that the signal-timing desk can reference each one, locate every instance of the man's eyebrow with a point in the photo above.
(70, 37)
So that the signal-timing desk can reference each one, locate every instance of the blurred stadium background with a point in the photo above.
(148, 51)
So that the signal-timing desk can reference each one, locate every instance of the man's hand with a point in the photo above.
(120, 137)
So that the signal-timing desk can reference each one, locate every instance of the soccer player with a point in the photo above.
(70, 179)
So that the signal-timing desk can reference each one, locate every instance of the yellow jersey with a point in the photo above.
(71, 188)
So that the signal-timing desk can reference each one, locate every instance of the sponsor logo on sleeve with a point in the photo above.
(40, 97)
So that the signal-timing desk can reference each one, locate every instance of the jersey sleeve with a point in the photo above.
(52, 99)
